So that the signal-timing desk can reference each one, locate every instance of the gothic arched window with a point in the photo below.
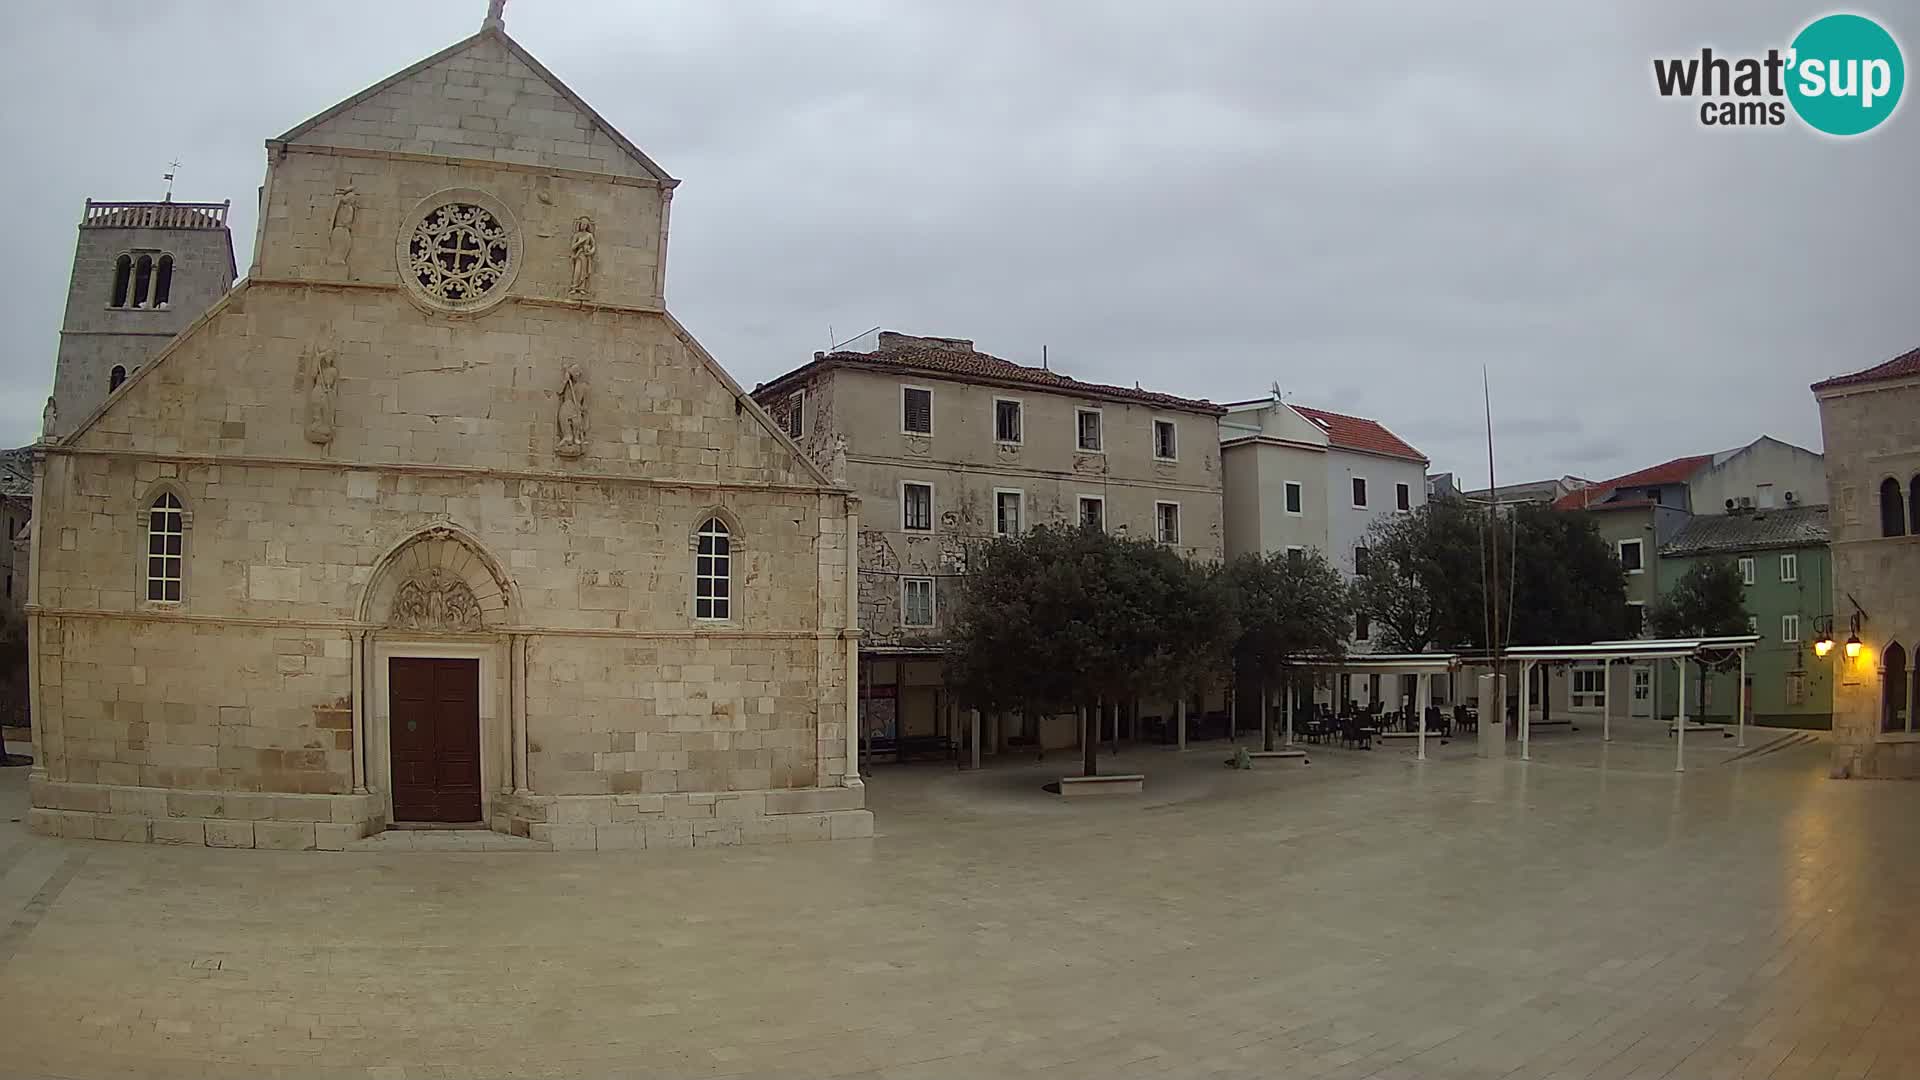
(1893, 515)
(1893, 690)
(713, 571)
(166, 538)
(142, 280)
(115, 377)
(163, 282)
(122, 279)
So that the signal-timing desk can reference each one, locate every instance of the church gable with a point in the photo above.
(338, 376)
(483, 98)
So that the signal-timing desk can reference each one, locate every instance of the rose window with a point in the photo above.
(459, 253)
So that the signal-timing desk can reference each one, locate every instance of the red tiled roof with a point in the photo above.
(968, 364)
(1359, 433)
(1677, 471)
(1905, 365)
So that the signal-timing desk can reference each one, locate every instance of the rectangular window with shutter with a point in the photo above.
(1294, 501)
(1007, 506)
(1087, 433)
(916, 602)
(1007, 426)
(1165, 448)
(916, 507)
(916, 410)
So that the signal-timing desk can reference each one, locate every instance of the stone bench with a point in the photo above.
(1293, 752)
(1072, 787)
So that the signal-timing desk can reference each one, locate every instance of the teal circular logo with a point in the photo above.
(1845, 74)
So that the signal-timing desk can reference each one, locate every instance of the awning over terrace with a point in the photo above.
(1604, 653)
(1423, 666)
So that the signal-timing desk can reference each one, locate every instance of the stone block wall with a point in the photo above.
(1870, 435)
(305, 186)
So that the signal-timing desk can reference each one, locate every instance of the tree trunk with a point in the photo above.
(1546, 694)
(1703, 692)
(1090, 740)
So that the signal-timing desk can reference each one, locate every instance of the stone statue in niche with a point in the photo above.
(572, 421)
(321, 392)
(582, 252)
(436, 600)
(346, 202)
(49, 418)
(837, 458)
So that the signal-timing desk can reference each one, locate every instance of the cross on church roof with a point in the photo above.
(496, 15)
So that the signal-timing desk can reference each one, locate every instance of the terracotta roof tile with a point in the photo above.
(1359, 433)
(1792, 526)
(1905, 365)
(1677, 471)
(969, 364)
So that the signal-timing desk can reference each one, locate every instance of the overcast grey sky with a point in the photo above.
(1364, 201)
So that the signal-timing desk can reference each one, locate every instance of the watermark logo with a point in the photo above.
(1842, 75)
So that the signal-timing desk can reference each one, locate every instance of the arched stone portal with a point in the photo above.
(440, 712)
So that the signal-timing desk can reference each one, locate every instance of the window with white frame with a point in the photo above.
(916, 507)
(1796, 688)
(1008, 426)
(1361, 627)
(1630, 556)
(1296, 555)
(1589, 687)
(1789, 628)
(1166, 446)
(1746, 571)
(1789, 568)
(1636, 618)
(166, 540)
(797, 414)
(1753, 624)
(1360, 564)
(1093, 512)
(916, 410)
(1086, 423)
(916, 601)
(1402, 497)
(1294, 500)
(1642, 683)
(1007, 512)
(713, 572)
(1166, 516)
(1360, 492)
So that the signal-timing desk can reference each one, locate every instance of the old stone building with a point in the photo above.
(440, 516)
(142, 271)
(948, 447)
(1871, 422)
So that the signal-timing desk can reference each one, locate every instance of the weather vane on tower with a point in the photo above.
(172, 167)
(496, 15)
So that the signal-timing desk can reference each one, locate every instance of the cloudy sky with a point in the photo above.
(1364, 202)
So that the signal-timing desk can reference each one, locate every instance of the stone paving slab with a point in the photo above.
(1590, 914)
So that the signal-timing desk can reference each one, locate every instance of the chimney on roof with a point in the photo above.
(891, 341)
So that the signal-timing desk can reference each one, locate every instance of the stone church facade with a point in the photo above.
(441, 517)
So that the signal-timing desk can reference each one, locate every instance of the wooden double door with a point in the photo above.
(434, 738)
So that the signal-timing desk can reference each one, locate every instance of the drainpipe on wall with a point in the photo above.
(852, 636)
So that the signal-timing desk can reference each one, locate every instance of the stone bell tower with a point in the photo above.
(142, 272)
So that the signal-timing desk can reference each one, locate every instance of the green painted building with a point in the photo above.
(1783, 557)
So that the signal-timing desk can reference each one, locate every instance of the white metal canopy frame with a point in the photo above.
(1423, 666)
(1679, 650)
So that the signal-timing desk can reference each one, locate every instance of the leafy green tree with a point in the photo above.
(1567, 584)
(1064, 618)
(1425, 584)
(1709, 600)
(1286, 605)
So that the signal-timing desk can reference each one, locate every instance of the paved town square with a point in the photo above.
(1588, 914)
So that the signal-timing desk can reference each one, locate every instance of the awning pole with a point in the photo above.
(1287, 712)
(1421, 681)
(1606, 701)
(1680, 723)
(1741, 742)
(1526, 708)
